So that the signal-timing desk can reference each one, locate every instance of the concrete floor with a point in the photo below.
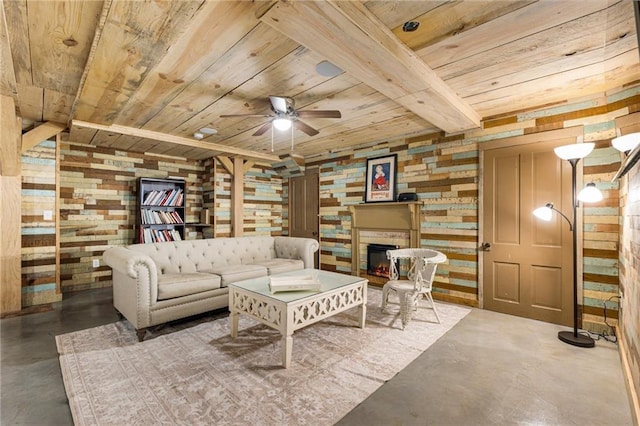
(490, 369)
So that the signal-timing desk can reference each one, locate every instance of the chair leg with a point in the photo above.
(407, 301)
(433, 305)
(385, 298)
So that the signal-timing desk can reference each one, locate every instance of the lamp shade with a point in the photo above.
(545, 213)
(590, 194)
(282, 123)
(574, 151)
(627, 142)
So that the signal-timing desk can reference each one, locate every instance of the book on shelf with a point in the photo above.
(160, 235)
(169, 197)
(155, 217)
(294, 283)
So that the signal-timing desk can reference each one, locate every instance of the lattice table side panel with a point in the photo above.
(325, 306)
(259, 309)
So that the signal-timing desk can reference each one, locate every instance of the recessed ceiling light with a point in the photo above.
(327, 69)
(198, 135)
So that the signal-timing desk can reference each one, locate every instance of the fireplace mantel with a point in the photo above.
(383, 217)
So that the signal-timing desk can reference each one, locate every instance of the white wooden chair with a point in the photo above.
(422, 269)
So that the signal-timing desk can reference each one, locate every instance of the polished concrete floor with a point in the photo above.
(490, 369)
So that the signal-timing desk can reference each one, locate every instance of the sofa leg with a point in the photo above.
(120, 316)
(140, 333)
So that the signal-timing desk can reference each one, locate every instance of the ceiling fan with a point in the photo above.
(285, 115)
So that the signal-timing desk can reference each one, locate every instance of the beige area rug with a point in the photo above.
(199, 375)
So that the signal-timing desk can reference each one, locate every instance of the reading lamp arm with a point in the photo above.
(550, 205)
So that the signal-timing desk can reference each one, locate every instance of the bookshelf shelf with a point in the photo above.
(160, 210)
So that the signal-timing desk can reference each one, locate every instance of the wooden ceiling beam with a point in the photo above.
(8, 84)
(41, 133)
(351, 37)
(178, 140)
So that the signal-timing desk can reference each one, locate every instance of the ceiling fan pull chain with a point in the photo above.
(271, 138)
(292, 138)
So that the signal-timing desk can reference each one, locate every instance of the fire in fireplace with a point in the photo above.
(377, 262)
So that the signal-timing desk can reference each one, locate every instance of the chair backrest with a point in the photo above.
(422, 268)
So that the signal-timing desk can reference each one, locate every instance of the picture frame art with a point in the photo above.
(380, 183)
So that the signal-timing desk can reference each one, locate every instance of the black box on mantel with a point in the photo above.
(408, 196)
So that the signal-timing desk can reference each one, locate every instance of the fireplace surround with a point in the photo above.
(382, 217)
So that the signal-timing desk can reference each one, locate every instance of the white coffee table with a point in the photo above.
(290, 311)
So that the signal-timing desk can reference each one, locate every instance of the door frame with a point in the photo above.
(571, 135)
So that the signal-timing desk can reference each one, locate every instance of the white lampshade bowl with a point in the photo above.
(282, 123)
(544, 213)
(590, 194)
(574, 151)
(626, 143)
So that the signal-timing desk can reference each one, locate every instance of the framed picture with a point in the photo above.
(381, 179)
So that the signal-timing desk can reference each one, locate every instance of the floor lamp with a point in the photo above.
(573, 153)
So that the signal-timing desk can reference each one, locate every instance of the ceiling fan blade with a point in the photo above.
(244, 115)
(280, 104)
(266, 126)
(319, 114)
(305, 128)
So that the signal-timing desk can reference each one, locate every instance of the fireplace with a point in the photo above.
(377, 262)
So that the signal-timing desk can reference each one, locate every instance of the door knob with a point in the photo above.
(485, 247)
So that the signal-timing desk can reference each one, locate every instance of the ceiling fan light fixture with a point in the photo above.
(282, 124)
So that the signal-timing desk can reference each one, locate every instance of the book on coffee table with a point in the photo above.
(299, 283)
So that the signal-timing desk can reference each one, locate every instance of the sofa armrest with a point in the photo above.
(135, 284)
(128, 261)
(296, 248)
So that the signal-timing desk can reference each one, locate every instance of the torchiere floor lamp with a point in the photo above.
(573, 153)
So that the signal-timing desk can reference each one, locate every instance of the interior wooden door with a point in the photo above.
(304, 207)
(527, 265)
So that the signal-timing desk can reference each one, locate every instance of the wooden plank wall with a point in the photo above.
(39, 246)
(222, 209)
(97, 209)
(97, 204)
(208, 195)
(444, 172)
(630, 283)
(262, 201)
(10, 185)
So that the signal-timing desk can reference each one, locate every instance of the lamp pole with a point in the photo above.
(573, 338)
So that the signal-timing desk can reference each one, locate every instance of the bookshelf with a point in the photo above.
(160, 210)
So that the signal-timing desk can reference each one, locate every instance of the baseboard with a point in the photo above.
(453, 299)
(628, 378)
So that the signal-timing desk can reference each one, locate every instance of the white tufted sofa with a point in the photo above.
(160, 282)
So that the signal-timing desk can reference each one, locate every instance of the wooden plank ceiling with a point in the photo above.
(146, 75)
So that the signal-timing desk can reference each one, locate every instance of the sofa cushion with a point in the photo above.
(177, 285)
(277, 266)
(233, 273)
